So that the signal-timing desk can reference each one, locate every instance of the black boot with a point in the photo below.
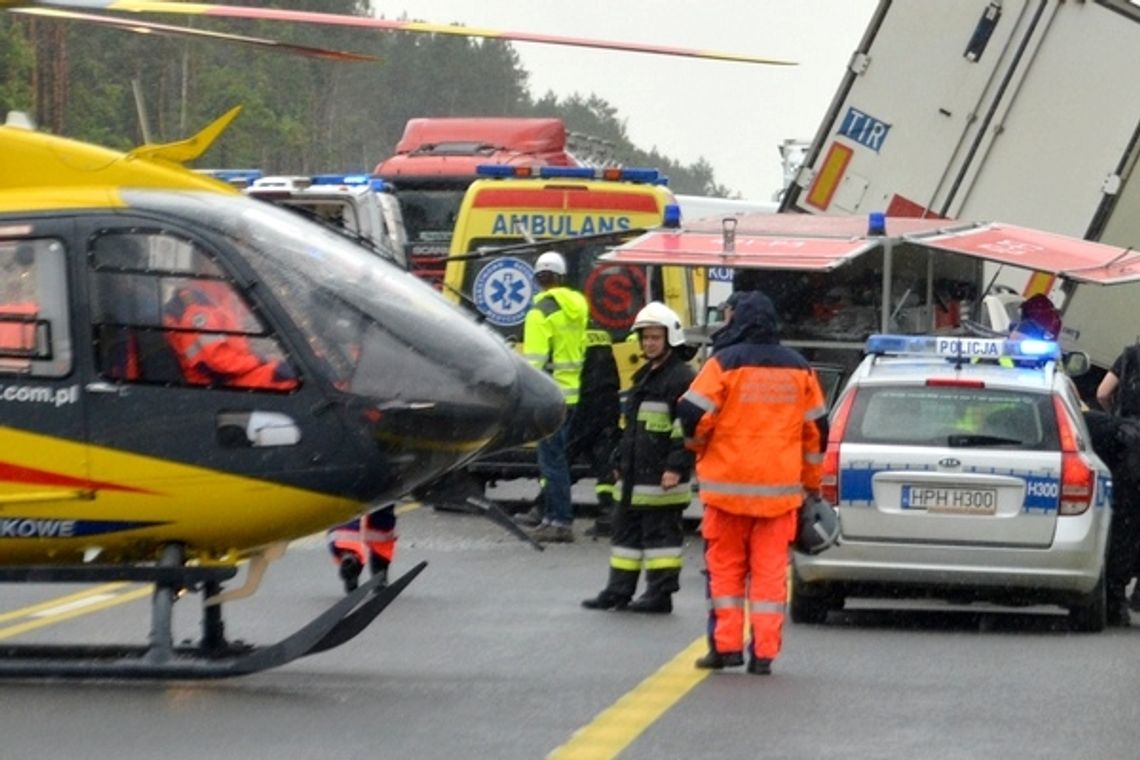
(350, 568)
(378, 566)
(716, 661)
(660, 585)
(652, 604)
(760, 666)
(607, 600)
(617, 593)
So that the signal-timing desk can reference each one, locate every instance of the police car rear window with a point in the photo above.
(953, 416)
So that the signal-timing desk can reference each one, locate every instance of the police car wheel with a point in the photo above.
(810, 608)
(1091, 615)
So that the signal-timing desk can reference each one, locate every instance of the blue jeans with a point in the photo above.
(554, 467)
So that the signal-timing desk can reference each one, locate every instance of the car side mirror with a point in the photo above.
(1076, 363)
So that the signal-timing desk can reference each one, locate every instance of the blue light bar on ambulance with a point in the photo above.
(963, 347)
(375, 183)
(648, 176)
(494, 170)
(567, 172)
(612, 174)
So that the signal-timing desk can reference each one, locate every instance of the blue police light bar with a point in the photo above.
(353, 180)
(963, 347)
(341, 179)
(1036, 348)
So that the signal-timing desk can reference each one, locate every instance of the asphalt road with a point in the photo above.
(488, 655)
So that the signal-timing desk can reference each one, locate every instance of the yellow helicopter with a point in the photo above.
(145, 439)
(190, 378)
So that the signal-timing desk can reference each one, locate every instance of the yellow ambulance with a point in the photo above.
(526, 209)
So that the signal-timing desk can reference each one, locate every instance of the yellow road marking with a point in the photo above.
(60, 609)
(407, 507)
(614, 729)
(23, 612)
(71, 609)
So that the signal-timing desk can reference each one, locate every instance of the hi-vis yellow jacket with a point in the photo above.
(554, 337)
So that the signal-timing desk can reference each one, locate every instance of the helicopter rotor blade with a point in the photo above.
(368, 22)
(166, 30)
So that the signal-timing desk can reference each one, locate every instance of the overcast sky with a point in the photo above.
(735, 115)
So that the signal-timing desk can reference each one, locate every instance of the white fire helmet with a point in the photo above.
(657, 314)
(551, 261)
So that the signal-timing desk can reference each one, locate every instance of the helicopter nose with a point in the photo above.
(539, 411)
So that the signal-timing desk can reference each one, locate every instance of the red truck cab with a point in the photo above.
(435, 161)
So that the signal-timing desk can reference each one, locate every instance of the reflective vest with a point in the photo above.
(751, 415)
(554, 337)
(652, 441)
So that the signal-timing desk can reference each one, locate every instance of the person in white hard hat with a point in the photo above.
(654, 468)
(554, 341)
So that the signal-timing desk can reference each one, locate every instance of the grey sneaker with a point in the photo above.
(553, 534)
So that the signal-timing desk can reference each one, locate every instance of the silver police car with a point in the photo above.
(961, 468)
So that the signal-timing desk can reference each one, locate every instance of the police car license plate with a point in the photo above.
(950, 499)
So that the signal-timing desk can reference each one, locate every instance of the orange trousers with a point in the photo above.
(373, 535)
(747, 559)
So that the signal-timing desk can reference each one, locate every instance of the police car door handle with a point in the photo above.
(101, 386)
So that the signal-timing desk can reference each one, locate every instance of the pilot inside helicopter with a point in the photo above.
(204, 331)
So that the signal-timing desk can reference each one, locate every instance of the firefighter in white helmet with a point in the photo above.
(653, 466)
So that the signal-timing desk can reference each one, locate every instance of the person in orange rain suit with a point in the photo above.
(204, 320)
(372, 535)
(755, 417)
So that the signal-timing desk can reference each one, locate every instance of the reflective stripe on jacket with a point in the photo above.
(751, 415)
(209, 353)
(652, 441)
(554, 337)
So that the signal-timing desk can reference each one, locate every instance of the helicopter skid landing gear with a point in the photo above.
(213, 656)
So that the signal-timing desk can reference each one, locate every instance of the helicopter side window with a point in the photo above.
(34, 332)
(163, 312)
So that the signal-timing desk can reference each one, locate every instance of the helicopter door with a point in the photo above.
(43, 457)
(189, 379)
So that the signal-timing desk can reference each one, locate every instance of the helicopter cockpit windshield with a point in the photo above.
(355, 310)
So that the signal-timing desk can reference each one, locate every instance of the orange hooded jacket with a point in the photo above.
(755, 416)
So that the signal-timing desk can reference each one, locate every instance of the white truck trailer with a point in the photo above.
(1020, 111)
